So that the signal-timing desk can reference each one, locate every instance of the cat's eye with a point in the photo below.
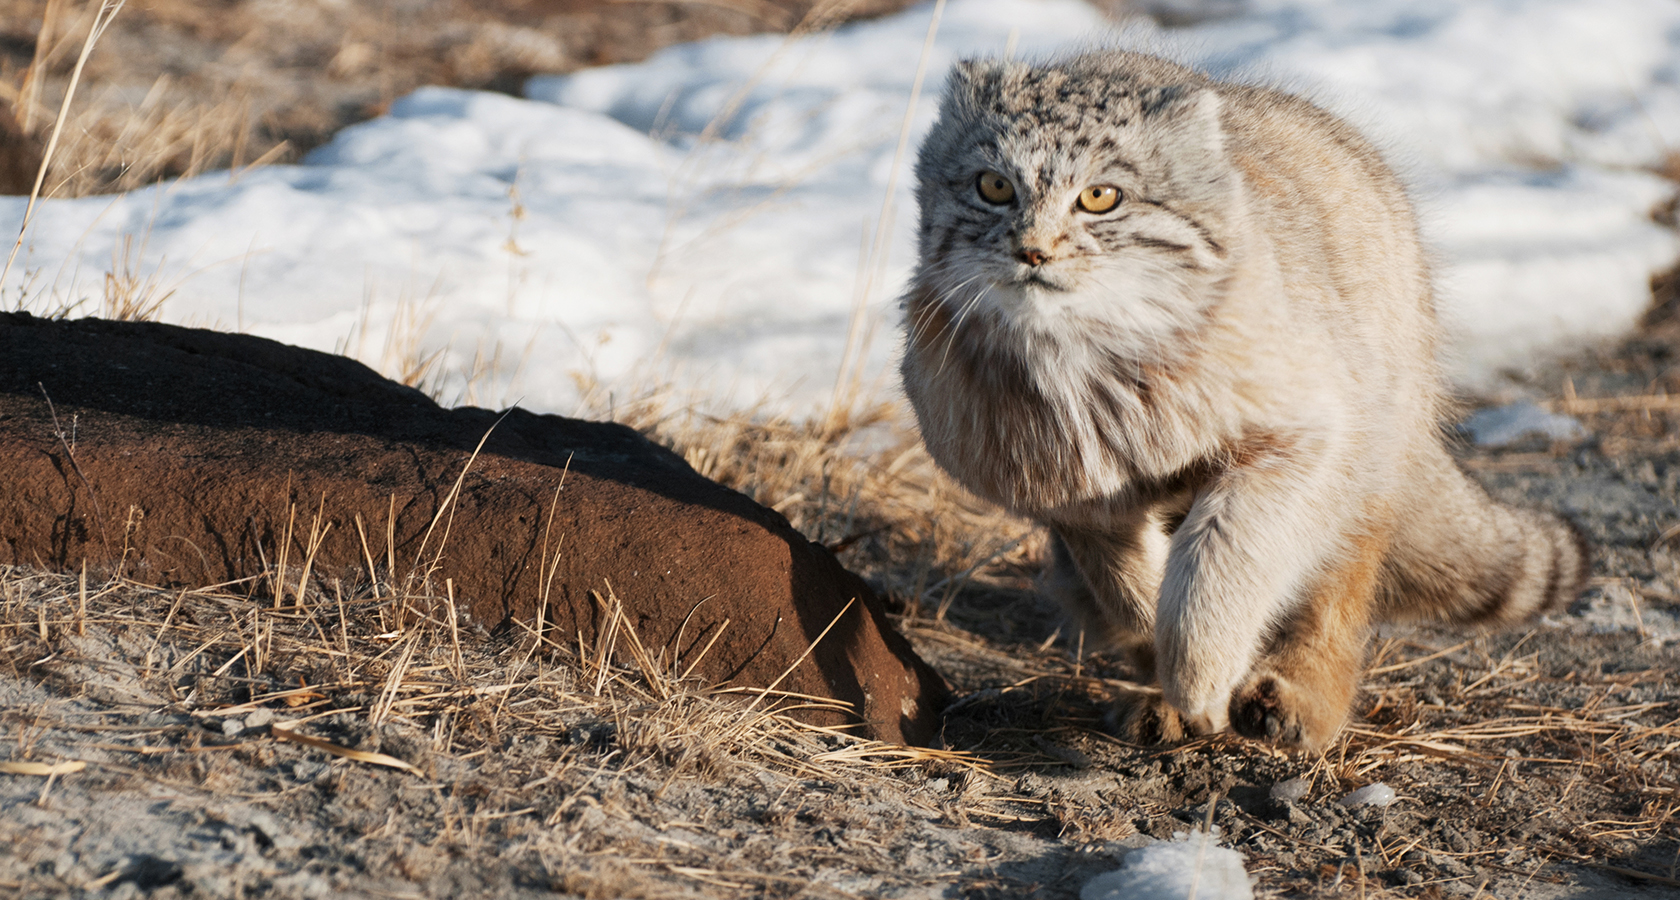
(1099, 198)
(995, 188)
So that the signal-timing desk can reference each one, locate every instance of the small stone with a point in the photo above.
(1377, 794)
(259, 719)
(232, 727)
(1289, 791)
(1502, 425)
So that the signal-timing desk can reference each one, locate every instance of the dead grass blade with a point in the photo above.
(377, 759)
(848, 382)
(108, 10)
(41, 768)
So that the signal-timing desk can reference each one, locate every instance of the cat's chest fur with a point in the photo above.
(1040, 422)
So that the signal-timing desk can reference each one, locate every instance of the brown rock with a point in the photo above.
(185, 453)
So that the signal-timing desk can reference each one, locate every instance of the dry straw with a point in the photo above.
(108, 10)
(245, 655)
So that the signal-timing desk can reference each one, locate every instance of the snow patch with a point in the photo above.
(1289, 791)
(1377, 794)
(1616, 607)
(1188, 865)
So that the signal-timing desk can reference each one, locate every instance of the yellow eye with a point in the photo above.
(995, 188)
(1099, 198)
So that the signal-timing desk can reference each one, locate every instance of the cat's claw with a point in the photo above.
(1141, 716)
(1270, 709)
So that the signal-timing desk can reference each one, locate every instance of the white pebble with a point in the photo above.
(1501, 425)
(1378, 794)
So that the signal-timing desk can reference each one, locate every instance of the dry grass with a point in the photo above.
(1505, 761)
(119, 138)
(114, 144)
(396, 682)
(404, 660)
(129, 290)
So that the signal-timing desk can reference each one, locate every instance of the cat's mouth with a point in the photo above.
(1040, 279)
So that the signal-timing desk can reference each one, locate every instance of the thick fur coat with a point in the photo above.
(1218, 391)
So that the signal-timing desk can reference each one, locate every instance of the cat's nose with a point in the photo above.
(1033, 256)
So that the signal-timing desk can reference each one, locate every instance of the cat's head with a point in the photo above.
(1090, 191)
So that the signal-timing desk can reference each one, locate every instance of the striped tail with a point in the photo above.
(1460, 556)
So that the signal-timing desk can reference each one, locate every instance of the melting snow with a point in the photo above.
(1187, 866)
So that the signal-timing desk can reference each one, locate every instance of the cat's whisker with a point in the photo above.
(956, 324)
(932, 307)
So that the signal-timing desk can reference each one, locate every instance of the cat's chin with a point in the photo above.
(1047, 305)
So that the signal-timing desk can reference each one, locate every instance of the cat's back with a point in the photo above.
(1339, 223)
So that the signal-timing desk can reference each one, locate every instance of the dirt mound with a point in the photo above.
(188, 457)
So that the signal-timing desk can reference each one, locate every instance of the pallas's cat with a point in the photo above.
(1188, 326)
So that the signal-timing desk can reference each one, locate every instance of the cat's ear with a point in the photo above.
(970, 82)
(1191, 135)
(969, 77)
(1190, 114)
(964, 72)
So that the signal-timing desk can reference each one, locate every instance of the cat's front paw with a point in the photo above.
(1141, 716)
(1269, 708)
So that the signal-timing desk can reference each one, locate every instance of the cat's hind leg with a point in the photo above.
(1109, 579)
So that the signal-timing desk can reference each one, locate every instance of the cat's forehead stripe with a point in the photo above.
(1082, 112)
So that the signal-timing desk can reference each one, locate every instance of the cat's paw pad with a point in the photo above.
(1270, 709)
(1140, 716)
